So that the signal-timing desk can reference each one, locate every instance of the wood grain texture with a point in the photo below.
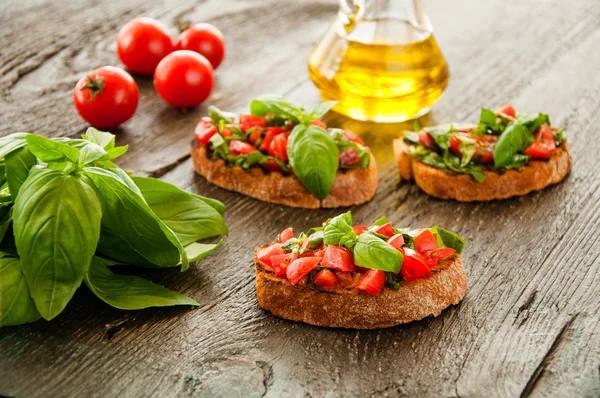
(530, 323)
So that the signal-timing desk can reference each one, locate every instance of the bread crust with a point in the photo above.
(351, 309)
(350, 187)
(445, 184)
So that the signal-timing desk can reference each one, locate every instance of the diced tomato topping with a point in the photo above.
(303, 281)
(264, 254)
(484, 155)
(455, 144)
(347, 279)
(319, 123)
(349, 157)
(279, 262)
(301, 267)
(255, 135)
(286, 235)
(372, 282)
(413, 266)
(325, 278)
(544, 145)
(385, 229)
(359, 229)
(204, 131)
(362, 270)
(274, 130)
(278, 147)
(338, 258)
(237, 147)
(433, 257)
(353, 137)
(226, 132)
(267, 140)
(247, 121)
(272, 165)
(507, 110)
(425, 241)
(426, 139)
(396, 241)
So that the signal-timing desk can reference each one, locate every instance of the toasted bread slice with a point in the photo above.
(446, 184)
(350, 187)
(349, 308)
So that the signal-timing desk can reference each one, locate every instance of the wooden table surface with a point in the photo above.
(529, 324)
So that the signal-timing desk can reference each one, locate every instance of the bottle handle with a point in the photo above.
(351, 11)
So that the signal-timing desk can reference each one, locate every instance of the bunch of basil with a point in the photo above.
(313, 152)
(67, 213)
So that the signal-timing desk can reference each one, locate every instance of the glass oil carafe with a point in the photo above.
(380, 60)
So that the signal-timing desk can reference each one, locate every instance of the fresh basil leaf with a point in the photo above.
(381, 221)
(115, 247)
(127, 216)
(391, 282)
(197, 251)
(291, 245)
(338, 227)
(517, 161)
(449, 239)
(276, 105)
(364, 156)
(128, 292)
(314, 157)
(17, 164)
(320, 110)
(16, 305)
(487, 116)
(559, 137)
(315, 240)
(219, 146)
(513, 140)
(411, 137)
(12, 142)
(216, 115)
(49, 151)
(56, 223)
(215, 204)
(373, 252)
(114, 153)
(533, 122)
(467, 147)
(5, 220)
(102, 139)
(190, 218)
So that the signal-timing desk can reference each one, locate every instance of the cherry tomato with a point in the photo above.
(106, 97)
(319, 123)
(353, 137)
(433, 257)
(396, 241)
(205, 129)
(349, 158)
(301, 267)
(240, 148)
(425, 241)
(264, 254)
(507, 110)
(184, 79)
(142, 43)
(278, 147)
(338, 258)
(359, 229)
(272, 165)
(413, 266)
(372, 282)
(325, 278)
(544, 145)
(426, 139)
(248, 121)
(204, 39)
(385, 229)
(286, 235)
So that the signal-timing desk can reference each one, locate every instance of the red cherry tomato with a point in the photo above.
(319, 123)
(544, 145)
(249, 121)
(205, 129)
(372, 282)
(396, 241)
(413, 266)
(272, 165)
(433, 257)
(326, 278)
(338, 258)
(301, 267)
(359, 229)
(184, 79)
(508, 110)
(278, 147)
(426, 139)
(353, 137)
(240, 148)
(264, 254)
(106, 97)
(204, 39)
(425, 241)
(385, 229)
(286, 235)
(349, 157)
(142, 43)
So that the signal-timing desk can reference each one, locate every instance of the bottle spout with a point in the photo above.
(351, 12)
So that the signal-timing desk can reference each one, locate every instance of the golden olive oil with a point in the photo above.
(384, 71)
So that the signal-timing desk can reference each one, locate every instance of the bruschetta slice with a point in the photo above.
(280, 153)
(358, 276)
(507, 154)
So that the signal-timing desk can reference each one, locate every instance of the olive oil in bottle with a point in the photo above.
(384, 70)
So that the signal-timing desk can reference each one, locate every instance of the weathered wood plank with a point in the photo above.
(530, 322)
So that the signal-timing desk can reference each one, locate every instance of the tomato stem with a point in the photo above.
(94, 85)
